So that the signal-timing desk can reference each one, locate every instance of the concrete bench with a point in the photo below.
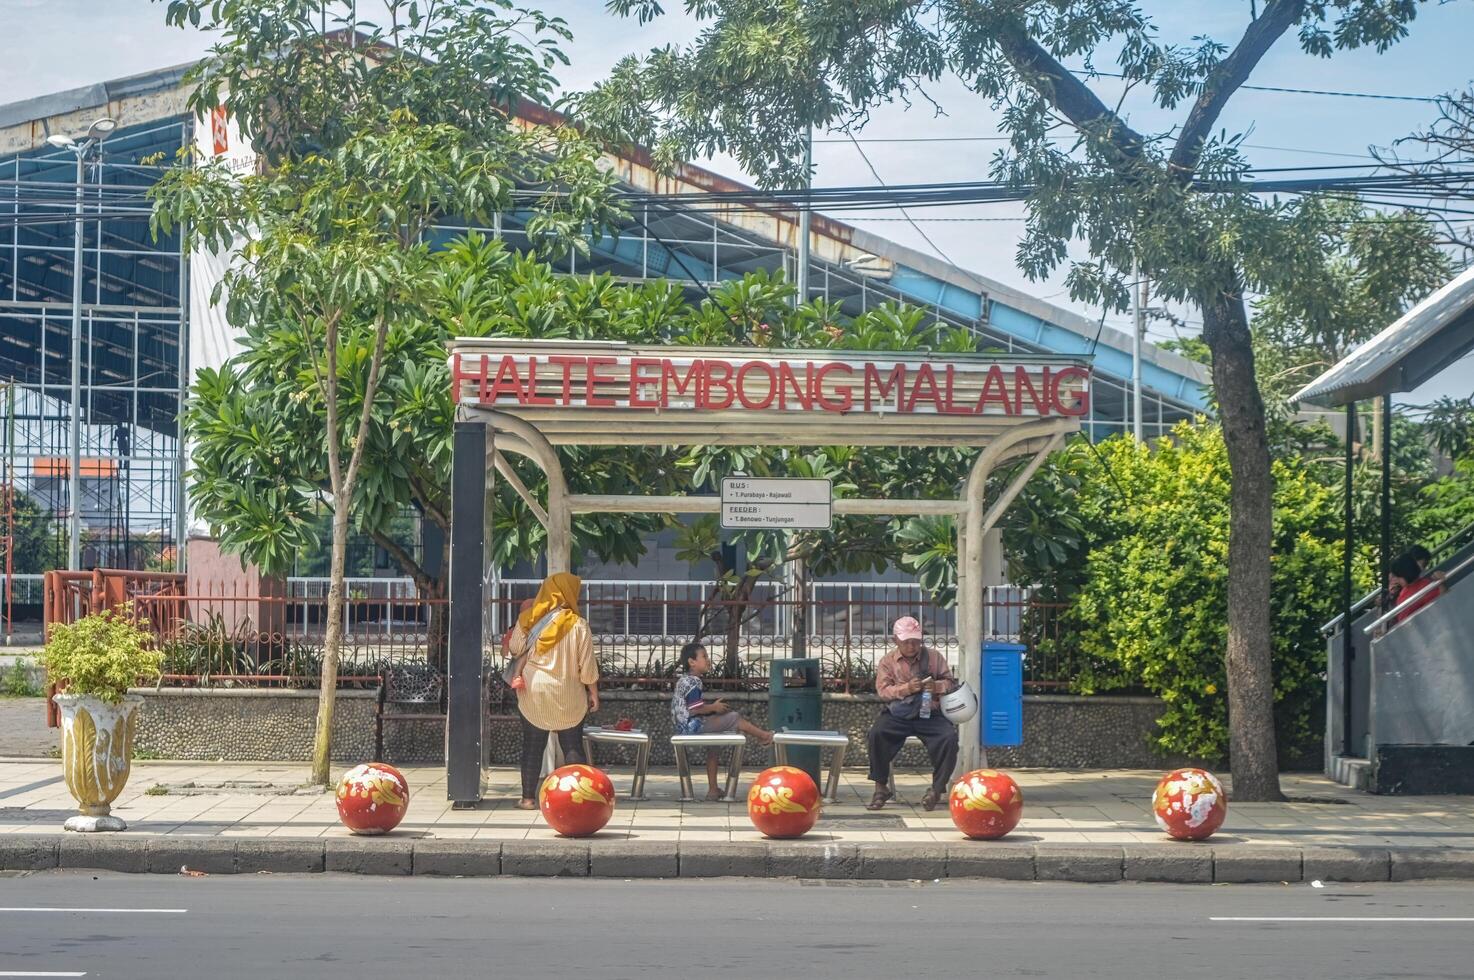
(736, 741)
(919, 744)
(838, 741)
(595, 734)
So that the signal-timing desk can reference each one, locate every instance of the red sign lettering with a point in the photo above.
(715, 384)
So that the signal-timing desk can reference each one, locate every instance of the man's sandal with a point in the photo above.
(880, 799)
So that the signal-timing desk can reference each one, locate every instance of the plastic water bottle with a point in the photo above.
(925, 702)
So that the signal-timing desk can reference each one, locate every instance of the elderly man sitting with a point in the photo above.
(901, 678)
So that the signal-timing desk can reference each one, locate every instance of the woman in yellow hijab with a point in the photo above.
(560, 678)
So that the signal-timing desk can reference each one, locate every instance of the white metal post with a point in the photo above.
(74, 519)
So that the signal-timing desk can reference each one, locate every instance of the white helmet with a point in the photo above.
(959, 705)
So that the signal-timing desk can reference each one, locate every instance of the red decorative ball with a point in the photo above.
(783, 802)
(576, 800)
(372, 798)
(1190, 804)
(985, 804)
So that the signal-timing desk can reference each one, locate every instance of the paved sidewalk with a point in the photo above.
(1077, 826)
(23, 730)
(1113, 807)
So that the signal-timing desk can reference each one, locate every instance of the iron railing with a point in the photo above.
(228, 635)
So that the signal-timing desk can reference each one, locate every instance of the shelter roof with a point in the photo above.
(1419, 345)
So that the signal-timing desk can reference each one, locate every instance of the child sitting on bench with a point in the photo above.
(692, 714)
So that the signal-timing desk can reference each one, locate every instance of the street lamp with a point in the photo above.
(96, 133)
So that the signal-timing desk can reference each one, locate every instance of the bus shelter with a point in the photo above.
(529, 397)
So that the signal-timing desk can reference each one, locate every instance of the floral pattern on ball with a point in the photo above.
(576, 800)
(783, 802)
(372, 798)
(985, 804)
(1190, 804)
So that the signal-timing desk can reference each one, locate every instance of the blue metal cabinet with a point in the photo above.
(1003, 694)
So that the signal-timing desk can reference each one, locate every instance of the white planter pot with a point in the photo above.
(96, 755)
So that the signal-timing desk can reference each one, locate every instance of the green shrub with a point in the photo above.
(17, 682)
(1148, 580)
(101, 655)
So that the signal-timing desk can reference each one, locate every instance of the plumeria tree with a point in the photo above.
(369, 133)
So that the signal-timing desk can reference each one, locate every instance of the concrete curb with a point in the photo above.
(997, 860)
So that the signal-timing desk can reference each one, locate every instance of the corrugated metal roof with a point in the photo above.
(88, 96)
(1189, 374)
(1424, 341)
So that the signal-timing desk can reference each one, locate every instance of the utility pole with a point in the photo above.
(801, 280)
(1137, 328)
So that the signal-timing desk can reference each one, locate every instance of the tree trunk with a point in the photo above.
(322, 743)
(736, 613)
(1248, 662)
(436, 629)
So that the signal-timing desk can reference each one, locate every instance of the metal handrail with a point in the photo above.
(1451, 576)
(1446, 545)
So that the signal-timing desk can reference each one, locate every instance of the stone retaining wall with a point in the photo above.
(237, 723)
(1059, 731)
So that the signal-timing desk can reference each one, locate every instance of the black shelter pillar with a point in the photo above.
(1385, 546)
(470, 487)
(1348, 645)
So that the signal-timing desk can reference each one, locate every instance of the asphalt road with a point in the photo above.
(342, 926)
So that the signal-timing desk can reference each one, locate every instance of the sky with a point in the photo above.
(52, 45)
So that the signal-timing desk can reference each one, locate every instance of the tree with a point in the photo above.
(1148, 589)
(39, 542)
(263, 501)
(1441, 153)
(761, 74)
(1371, 267)
(369, 135)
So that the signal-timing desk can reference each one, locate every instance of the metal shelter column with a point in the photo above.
(1040, 438)
(470, 513)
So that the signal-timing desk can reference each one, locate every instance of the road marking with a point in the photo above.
(51, 909)
(1339, 918)
(26, 973)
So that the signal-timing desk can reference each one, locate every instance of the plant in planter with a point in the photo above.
(98, 658)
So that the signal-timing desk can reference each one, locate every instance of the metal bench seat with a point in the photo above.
(596, 734)
(736, 741)
(838, 741)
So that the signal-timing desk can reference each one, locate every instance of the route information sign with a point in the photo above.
(750, 503)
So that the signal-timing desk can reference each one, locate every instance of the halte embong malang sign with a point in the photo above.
(564, 388)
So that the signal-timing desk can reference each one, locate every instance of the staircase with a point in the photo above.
(1352, 772)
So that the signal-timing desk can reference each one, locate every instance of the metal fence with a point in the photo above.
(225, 636)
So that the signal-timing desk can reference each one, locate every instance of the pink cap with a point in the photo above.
(906, 628)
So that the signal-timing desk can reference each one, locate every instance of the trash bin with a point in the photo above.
(1003, 694)
(794, 704)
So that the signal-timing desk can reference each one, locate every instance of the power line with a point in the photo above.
(1287, 90)
(1004, 139)
(917, 228)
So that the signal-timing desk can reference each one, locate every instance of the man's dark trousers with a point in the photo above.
(889, 733)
